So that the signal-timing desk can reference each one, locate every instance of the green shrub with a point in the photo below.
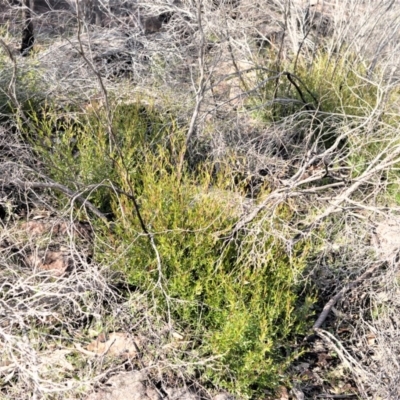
(330, 88)
(339, 83)
(78, 150)
(27, 85)
(332, 83)
(237, 302)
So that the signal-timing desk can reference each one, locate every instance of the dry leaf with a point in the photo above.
(119, 344)
(177, 335)
(282, 393)
(54, 261)
(371, 339)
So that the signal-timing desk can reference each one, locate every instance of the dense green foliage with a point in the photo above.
(328, 83)
(235, 299)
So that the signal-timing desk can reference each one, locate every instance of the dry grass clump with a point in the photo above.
(40, 323)
(45, 305)
(66, 322)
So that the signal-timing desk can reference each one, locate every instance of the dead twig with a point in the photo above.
(57, 186)
(328, 306)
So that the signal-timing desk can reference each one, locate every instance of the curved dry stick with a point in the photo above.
(61, 188)
(328, 306)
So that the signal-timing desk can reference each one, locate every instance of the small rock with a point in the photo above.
(223, 396)
(126, 386)
(181, 394)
